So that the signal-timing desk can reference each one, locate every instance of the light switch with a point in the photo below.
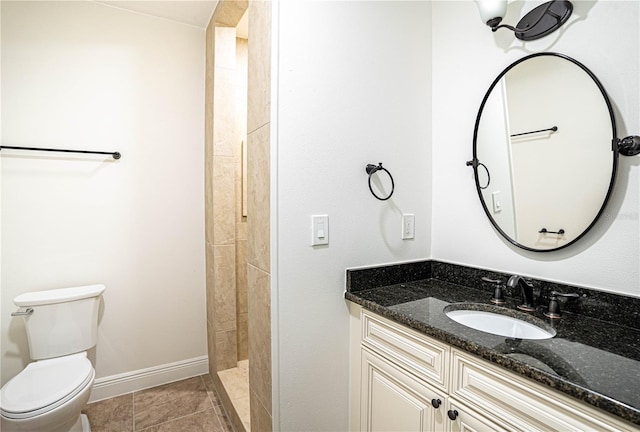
(319, 230)
(497, 204)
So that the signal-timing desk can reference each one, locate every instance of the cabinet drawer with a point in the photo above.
(519, 404)
(466, 420)
(419, 354)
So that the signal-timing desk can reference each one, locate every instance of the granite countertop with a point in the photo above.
(590, 359)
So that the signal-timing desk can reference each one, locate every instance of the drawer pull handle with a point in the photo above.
(436, 403)
(453, 414)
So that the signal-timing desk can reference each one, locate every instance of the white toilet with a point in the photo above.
(49, 394)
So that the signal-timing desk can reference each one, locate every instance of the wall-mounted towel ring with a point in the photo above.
(476, 163)
(371, 169)
(480, 164)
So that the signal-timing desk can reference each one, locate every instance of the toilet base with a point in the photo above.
(81, 425)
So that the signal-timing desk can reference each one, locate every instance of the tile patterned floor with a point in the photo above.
(187, 405)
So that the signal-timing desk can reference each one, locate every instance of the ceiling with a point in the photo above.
(196, 13)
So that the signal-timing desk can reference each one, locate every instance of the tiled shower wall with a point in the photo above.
(229, 238)
(242, 305)
(258, 229)
(220, 205)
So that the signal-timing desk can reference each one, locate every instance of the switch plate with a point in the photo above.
(497, 203)
(408, 226)
(319, 230)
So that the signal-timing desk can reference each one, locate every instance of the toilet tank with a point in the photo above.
(64, 321)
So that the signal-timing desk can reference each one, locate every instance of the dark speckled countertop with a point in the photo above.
(591, 359)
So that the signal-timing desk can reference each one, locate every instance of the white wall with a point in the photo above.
(603, 35)
(87, 76)
(354, 88)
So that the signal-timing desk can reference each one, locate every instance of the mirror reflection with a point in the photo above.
(545, 163)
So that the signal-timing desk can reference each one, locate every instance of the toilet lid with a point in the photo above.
(45, 384)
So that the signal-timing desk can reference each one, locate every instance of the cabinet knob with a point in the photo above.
(453, 414)
(436, 403)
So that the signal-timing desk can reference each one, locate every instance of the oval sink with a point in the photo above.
(490, 321)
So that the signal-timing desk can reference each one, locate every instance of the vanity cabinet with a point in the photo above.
(397, 401)
(412, 382)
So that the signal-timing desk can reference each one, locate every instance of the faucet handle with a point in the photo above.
(554, 306)
(495, 281)
(498, 294)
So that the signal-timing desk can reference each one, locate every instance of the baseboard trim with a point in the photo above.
(116, 385)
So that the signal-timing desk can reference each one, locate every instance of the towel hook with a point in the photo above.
(371, 169)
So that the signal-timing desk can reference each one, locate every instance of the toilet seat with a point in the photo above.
(45, 385)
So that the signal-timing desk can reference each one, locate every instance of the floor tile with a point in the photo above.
(204, 421)
(111, 415)
(145, 399)
(208, 384)
(185, 405)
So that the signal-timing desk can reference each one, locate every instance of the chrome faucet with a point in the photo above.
(526, 287)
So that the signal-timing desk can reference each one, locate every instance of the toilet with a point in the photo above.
(49, 394)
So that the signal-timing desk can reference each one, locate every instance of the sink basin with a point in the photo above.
(499, 321)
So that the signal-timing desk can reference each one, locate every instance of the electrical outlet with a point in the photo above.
(408, 226)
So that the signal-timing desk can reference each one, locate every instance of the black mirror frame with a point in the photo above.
(475, 163)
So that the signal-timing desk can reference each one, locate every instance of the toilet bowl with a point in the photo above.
(49, 394)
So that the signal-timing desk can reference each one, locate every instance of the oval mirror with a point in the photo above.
(543, 156)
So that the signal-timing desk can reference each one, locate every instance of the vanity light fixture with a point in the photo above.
(539, 22)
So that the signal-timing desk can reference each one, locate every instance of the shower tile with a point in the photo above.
(260, 417)
(225, 42)
(224, 229)
(234, 394)
(243, 336)
(229, 13)
(241, 221)
(259, 93)
(260, 334)
(224, 125)
(224, 291)
(111, 415)
(211, 347)
(244, 411)
(241, 277)
(258, 231)
(224, 419)
(210, 281)
(226, 349)
(235, 382)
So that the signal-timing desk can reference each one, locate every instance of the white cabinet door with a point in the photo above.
(393, 400)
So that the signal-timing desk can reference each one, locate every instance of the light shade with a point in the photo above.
(490, 9)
